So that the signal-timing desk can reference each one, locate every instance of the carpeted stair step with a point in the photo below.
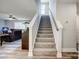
(45, 32)
(44, 45)
(45, 28)
(49, 57)
(44, 52)
(45, 35)
(39, 39)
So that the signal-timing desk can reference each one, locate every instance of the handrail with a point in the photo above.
(57, 29)
(33, 21)
(54, 21)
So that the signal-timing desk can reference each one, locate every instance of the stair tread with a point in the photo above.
(44, 43)
(44, 49)
(45, 31)
(45, 34)
(45, 28)
(45, 38)
(47, 57)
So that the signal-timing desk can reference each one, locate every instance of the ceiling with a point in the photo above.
(23, 8)
(77, 1)
(18, 8)
(44, 1)
(67, 1)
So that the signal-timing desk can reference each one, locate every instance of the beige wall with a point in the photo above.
(2, 23)
(19, 8)
(78, 21)
(78, 27)
(65, 13)
(47, 9)
(11, 23)
(52, 7)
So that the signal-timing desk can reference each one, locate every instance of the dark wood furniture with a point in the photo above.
(1, 40)
(12, 36)
(16, 34)
(4, 37)
(25, 39)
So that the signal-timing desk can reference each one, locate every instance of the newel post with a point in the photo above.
(30, 42)
(59, 42)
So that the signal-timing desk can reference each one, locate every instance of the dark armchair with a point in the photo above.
(6, 36)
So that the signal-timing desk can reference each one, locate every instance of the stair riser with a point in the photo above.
(45, 40)
(44, 53)
(45, 36)
(44, 32)
(45, 29)
(44, 45)
(44, 57)
(45, 26)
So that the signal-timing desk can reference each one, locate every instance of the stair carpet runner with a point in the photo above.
(45, 43)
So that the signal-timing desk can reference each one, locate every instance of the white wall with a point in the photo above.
(66, 14)
(78, 27)
(19, 8)
(78, 21)
(52, 6)
(77, 8)
(2, 23)
(47, 9)
(11, 23)
(38, 3)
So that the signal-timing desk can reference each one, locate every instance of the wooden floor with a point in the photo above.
(13, 51)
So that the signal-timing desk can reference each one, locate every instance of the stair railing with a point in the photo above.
(57, 31)
(33, 29)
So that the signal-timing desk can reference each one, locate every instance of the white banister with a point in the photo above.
(33, 29)
(57, 31)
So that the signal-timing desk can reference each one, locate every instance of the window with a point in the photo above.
(42, 8)
(44, 1)
(19, 25)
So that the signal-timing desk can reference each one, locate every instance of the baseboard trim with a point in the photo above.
(69, 50)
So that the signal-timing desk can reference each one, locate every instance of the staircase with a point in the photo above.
(45, 47)
(45, 43)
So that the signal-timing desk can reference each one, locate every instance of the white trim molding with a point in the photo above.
(33, 29)
(69, 50)
(57, 29)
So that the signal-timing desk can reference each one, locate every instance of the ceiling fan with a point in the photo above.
(13, 17)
